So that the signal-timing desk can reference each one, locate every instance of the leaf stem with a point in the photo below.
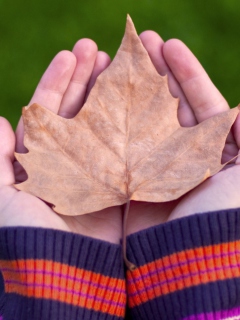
(128, 263)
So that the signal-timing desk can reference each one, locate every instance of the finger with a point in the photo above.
(7, 145)
(51, 88)
(154, 45)
(236, 133)
(85, 51)
(101, 63)
(54, 82)
(203, 97)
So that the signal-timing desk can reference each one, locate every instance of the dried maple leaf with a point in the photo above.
(125, 144)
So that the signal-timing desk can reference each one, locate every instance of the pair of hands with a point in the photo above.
(64, 88)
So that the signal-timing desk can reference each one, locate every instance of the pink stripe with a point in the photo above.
(220, 315)
(88, 296)
(52, 274)
(161, 283)
(181, 264)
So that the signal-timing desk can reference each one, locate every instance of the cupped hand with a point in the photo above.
(62, 89)
(199, 100)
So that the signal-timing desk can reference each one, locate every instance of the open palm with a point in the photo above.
(199, 100)
(62, 89)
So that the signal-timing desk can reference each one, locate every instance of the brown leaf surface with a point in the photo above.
(125, 144)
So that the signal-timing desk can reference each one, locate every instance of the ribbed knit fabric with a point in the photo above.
(1, 284)
(49, 274)
(186, 269)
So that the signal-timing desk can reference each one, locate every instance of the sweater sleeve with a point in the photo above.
(186, 269)
(50, 274)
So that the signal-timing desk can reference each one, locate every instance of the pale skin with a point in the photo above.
(63, 89)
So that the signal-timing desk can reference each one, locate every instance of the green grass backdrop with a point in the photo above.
(32, 32)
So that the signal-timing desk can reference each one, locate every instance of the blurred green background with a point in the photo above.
(32, 32)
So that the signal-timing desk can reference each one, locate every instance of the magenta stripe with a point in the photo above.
(88, 296)
(1, 318)
(181, 264)
(67, 277)
(220, 315)
(182, 277)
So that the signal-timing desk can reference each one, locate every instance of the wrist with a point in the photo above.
(143, 215)
(105, 225)
(46, 269)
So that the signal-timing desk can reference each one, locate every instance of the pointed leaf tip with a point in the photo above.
(129, 19)
(125, 140)
(130, 25)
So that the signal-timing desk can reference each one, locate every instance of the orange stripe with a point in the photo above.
(183, 270)
(67, 284)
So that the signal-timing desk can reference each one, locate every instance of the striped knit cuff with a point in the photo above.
(50, 274)
(187, 269)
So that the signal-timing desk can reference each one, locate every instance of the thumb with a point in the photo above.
(7, 145)
(236, 134)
